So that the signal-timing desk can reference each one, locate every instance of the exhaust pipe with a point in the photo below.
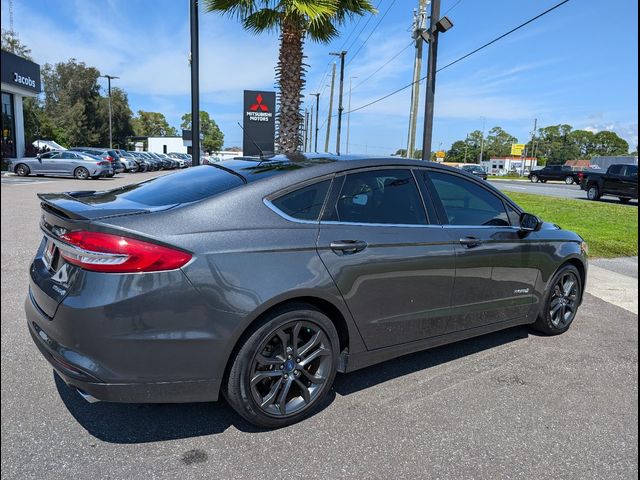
(87, 397)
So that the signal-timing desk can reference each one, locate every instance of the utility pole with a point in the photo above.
(306, 128)
(333, 81)
(419, 17)
(482, 140)
(437, 25)
(533, 145)
(349, 113)
(195, 84)
(317, 95)
(341, 55)
(311, 128)
(109, 78)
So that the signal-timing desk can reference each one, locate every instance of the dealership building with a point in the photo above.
(20, 79)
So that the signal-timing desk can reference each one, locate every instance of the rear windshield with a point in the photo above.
(180, 187)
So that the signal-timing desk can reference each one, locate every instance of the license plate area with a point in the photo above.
(50, 255)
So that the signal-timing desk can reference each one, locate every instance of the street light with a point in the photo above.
(109, 78)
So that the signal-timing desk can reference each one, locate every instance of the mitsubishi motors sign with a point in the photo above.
(259, 122)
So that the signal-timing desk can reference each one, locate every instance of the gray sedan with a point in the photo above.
(260, 279)
(64, 162)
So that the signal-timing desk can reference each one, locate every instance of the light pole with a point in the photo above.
(109, 78)
(437, 25)
(349, 113)
(195, 83)
(315, 145)
(340, 108)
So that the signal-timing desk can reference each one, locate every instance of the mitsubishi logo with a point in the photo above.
(259, 105)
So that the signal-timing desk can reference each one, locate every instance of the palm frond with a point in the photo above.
(239, 9)
(263, 20)
(322, 29)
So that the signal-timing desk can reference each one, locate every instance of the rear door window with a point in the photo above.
(387, 196)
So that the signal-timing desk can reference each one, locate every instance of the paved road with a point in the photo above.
(551, 189)
(506, 405)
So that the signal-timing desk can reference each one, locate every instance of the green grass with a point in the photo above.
(610, 230)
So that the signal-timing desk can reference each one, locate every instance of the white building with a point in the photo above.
(504, 165)
(166, 145)
(20, 79)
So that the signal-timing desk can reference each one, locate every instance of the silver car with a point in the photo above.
(63, 162)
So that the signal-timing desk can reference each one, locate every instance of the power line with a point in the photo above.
(371, 32)
(463, 57)
(385, 64)
(452, 7)
(355, 39)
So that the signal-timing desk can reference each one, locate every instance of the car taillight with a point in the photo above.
(110, 158)
(104, 252)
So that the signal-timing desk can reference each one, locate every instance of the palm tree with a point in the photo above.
(296, 20)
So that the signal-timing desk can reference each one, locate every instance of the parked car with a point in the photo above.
(172, 162)
(476, 170)
(131, 163)
(263, 278)
(109, 155)
(181, 158)
(619, 181)
(66, 163)
(554, 172)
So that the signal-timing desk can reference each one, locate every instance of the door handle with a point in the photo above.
(470, 242)
(348, 247)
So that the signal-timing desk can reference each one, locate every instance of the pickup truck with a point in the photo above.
(554, 172)
(619, 181)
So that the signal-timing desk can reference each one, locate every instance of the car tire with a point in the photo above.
(561, 302)
(110, 175)
(569, 180)
(593, 193)
(81, 173)
(22, 170)
(534, 179)
(273, 385)
(625, 199)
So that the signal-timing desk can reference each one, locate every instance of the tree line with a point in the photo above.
(554, 144)
(73, 112)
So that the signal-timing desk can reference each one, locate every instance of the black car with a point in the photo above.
(555, 172)
(476, 170)
(262, 278)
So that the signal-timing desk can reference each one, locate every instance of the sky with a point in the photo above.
(576, 65)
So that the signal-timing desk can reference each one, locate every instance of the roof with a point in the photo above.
(305, 165)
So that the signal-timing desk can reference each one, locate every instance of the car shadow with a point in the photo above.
(140, 423)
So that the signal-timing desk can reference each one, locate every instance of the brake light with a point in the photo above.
(110, 158)
(104, 252)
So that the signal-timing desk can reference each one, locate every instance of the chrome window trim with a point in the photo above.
(289, 218)
(395, 225)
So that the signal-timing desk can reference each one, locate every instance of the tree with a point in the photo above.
(609, 143)
(554, 144)
(402, 152)
(213, 138)
(120, 118)
(152, 124)
(11, 43)
(296, 21)
(498, 143)
(584, 141)
(72, 102)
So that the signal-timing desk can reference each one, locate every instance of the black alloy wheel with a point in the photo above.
(569, 180)
(562, 302)
(625, 199)
(284, 369)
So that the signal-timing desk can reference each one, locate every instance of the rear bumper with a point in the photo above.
(139, 359)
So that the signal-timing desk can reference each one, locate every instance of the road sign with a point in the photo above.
(517, 148)
(440, 154)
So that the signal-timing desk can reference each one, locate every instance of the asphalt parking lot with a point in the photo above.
(507, 405)
(551, 189)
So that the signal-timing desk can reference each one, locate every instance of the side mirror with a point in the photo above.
(38, 156)
(529, 223)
